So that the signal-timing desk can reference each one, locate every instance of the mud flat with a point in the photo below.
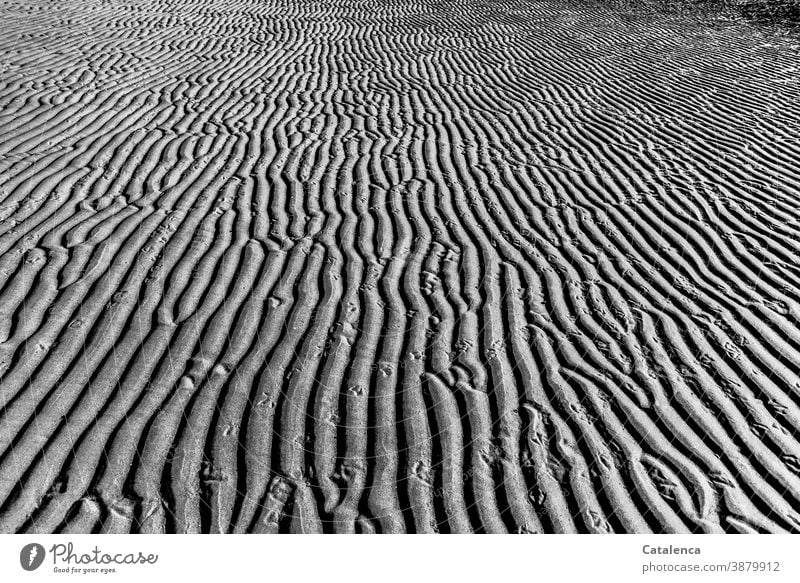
(396, 266)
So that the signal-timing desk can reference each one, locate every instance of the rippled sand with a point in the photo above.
(396, 266)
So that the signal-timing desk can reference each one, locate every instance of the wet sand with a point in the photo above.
(396, 266)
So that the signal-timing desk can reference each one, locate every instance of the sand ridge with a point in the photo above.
(391, 266)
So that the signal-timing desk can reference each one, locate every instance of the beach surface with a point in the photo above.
(394, 266)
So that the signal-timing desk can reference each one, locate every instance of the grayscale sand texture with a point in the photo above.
(397, 266)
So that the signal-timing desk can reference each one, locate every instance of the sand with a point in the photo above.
(396, 266)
